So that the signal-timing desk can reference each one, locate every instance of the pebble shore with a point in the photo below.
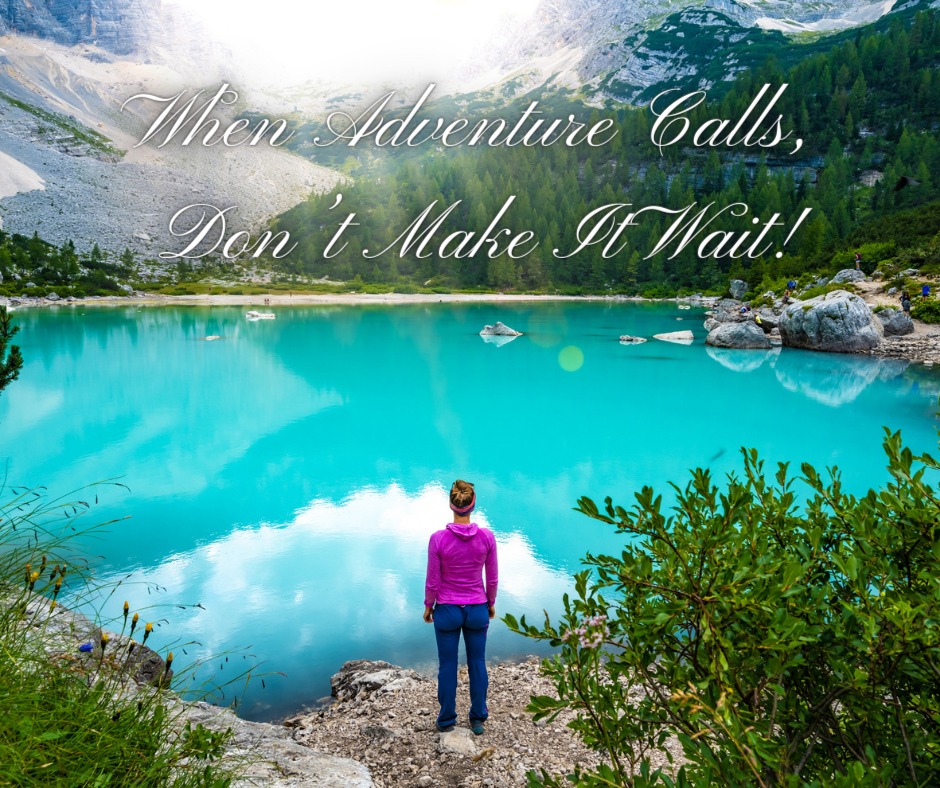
(385, 717)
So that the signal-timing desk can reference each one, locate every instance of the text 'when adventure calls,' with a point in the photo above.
(203, 228)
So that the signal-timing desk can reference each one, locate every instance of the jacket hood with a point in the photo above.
(465, 531)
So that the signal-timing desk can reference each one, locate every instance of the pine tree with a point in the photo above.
(10, 360)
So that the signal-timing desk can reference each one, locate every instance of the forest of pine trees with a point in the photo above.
(867, 109)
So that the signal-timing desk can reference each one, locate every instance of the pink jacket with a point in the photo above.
(457, 556)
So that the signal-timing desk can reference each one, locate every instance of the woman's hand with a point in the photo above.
(429, 616)
(492, 609)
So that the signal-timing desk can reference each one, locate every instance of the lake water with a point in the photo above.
(287, 476)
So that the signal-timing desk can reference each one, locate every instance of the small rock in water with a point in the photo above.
(499, 330)
(682, 337)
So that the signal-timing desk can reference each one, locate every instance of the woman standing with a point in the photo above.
(456, 600)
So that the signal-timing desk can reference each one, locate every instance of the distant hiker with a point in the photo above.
(925, 291)
(456, 600)
(744, 309)
(791, 285)
(786, 296)
(858, 261)
(906, 302)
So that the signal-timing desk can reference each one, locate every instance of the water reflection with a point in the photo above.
(742, 360)
(338, 581)
(834, 381)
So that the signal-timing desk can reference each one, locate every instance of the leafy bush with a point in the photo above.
(785, 634)
(927, 309)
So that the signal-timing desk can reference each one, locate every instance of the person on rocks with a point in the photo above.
(906, 302)
(858, 261)
(925, 291)
(456, 600)
(786, 296)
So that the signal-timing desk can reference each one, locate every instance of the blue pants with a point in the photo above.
(449, 622)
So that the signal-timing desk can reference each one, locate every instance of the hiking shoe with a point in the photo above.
(447, 728)
(477, 727)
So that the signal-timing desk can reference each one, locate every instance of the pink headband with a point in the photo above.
(461, 510)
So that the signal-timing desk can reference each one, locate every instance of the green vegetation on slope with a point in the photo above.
(869, 106)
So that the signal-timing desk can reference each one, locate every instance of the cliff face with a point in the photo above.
(141, 28)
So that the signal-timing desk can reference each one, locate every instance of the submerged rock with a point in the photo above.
(738, 335)
(838, 322)
(626, 339)
(499, 330)
(681, 337)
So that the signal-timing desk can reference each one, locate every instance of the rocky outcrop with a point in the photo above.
(896, 323)
(839, 322)
(738, 288)
(738, 335)
(499, 330)
(361, 678)
(264, 754)
(848, 275)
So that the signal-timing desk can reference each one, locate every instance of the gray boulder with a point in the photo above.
(626, 339)
(892, 290)
(848, 275)
(769, 319)
(52, 297)
(895, 322)
(30, 284)
(839, 322)
(712, 323)
(738, 288)
(738, 335)
(499, 330)
(359, 679)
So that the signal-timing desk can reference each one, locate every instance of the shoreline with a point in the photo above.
(920, 347)
(313, 299)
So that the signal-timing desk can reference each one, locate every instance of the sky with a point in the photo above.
(357, 40)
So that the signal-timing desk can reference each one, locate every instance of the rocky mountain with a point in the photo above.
(143, 28)
(69, 168)
(620, 49)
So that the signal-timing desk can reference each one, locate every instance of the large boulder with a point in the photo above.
(895, 322)
(499, 330)
(738, 335)
(848, 275)
(839, 322)
(738, 288)
(769, 319)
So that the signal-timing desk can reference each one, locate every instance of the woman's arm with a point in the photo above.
(432, 579)
(492, 575)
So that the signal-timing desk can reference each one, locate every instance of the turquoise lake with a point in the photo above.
(287, 476)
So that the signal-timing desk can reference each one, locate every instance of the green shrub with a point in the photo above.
(926, 309)
(785, 634)
(823, 289)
